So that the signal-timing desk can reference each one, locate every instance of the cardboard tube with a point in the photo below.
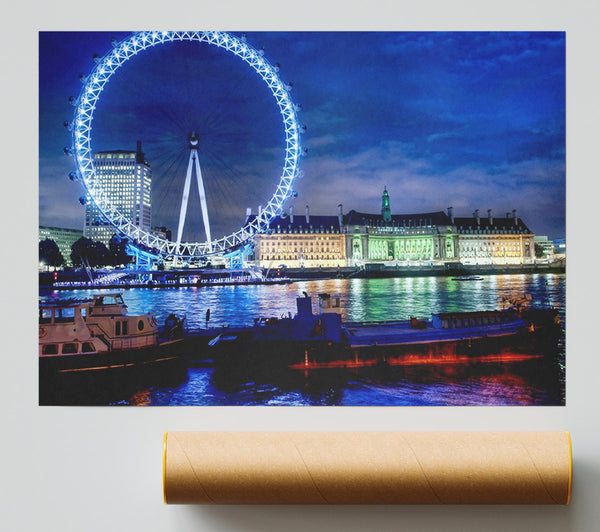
(367, 467)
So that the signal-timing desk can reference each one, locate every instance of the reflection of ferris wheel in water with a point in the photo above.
(82, 150)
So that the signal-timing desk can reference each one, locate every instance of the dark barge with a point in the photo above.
(310, 341)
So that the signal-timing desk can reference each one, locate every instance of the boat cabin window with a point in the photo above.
(69, 348)
(87, 347)
(45, 315)
(121, 327)
(64, 315)
(50, 349)
(108, 300)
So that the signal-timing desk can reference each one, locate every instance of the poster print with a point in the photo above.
(304, 218)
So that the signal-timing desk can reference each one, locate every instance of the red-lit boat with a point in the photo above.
(322, 340)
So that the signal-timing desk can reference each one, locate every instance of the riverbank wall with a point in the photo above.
(371, 271)
(375, 271)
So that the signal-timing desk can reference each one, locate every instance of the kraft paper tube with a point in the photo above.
(367, 467)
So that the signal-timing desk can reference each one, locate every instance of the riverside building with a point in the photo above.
(490, 240)
(358, 239)
(126, 178)
(64, 239)
(407, 238)
(301, 242)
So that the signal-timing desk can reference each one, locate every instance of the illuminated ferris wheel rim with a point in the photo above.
(85, 105)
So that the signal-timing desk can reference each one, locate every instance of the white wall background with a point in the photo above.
(97, 469)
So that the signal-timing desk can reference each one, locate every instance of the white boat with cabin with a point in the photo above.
(98, 334)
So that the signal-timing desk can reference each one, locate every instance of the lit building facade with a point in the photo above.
(64, 239)
(544, 247)
(358, 239)
(490, 240)
(126, 178)
(301, 242)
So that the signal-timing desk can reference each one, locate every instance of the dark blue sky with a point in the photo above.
(472, 120)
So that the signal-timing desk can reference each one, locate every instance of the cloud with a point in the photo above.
(58, 196)
(535, 187)
(471, 119)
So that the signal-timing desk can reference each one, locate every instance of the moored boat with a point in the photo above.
(323, 340)
(89, 338)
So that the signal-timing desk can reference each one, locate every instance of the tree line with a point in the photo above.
(86, 252)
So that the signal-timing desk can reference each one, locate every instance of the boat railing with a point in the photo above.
(406, 336)
(103, 340)
(98, 332)
(375, 323)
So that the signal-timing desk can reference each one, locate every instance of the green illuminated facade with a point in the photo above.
(415, 237)
(386, 211)
(424, 237)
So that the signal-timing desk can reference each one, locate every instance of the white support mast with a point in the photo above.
(193, 163)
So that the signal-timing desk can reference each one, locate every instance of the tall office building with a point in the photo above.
(126, 178)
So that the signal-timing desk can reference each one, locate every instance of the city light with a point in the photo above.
(352, 282)
(84, 114)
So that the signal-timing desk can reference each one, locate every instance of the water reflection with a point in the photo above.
(531, 382)
(488, 384)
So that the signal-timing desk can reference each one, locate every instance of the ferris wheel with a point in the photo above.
(81, 126)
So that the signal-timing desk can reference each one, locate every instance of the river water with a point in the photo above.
(532, 382)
